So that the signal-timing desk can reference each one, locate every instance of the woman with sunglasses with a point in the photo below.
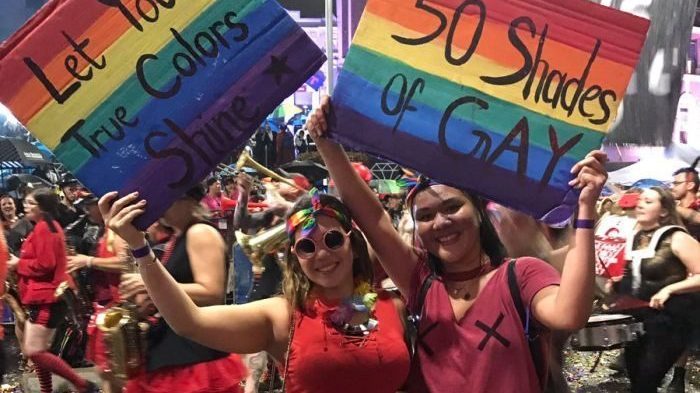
(470, 334)
(330, 332)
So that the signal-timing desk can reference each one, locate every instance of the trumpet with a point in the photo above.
(265, 242)
(245, 160)
(125, 338)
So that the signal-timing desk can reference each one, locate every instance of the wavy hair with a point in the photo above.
(296, 286)
(668, 203)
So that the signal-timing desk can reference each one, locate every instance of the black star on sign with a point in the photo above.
(278, 67)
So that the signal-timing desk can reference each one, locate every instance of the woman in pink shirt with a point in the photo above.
(471, 336)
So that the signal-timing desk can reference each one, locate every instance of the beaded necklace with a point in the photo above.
(362, 301)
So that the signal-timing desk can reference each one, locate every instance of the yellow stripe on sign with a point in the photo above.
(375, 33)
(52, 121)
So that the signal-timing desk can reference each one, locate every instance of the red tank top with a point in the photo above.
(322, 359)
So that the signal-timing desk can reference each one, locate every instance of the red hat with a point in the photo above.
(301, 181)
(361, 169)
(629, 201)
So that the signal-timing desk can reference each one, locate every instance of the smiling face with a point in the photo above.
(447, 223)
(7, 205)
(649, 210)
(331, 264)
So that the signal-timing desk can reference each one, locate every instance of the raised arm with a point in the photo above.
(398, 258)
(254, 327)
(568, 306)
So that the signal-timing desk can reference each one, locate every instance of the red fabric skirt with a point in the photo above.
(217, 376)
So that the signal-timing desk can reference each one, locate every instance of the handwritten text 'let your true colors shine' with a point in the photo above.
(82, 67)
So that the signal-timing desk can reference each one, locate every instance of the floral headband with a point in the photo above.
(306, 219)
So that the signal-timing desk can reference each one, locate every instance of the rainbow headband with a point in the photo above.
(306, 219)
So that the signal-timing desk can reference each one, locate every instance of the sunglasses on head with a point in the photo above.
(306, 247)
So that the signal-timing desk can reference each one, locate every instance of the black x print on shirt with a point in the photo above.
(492, 331)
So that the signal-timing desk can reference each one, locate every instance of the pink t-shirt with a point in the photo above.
(486, 351)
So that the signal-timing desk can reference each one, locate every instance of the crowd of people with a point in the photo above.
(248, 285)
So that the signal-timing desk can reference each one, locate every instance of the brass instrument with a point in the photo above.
(265, 242)
(125, 338)
(245, 160)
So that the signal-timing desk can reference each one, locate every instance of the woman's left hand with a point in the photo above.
(118, 215)
(657, 301)
(590, 177)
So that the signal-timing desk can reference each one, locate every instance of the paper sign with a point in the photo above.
(498, 97)
(149, 95)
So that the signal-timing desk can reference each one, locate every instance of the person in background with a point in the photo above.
(8, 210)
(14, 227)
(230, 188)
(195, 263)
(684, 188)
(41, 267)
(284, 146)
(4, 257)
(101, 259)
(212, 201)
(70, 188)
(261, 282)
(661, 281)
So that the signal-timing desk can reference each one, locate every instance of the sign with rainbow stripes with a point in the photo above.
(498, 97)
(149, 95)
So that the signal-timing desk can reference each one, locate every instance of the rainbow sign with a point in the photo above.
(149, 95)
(498, 97)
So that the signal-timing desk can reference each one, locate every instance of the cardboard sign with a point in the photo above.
(149, 95)
(498, 97)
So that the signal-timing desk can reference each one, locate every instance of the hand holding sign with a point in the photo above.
(502, 98)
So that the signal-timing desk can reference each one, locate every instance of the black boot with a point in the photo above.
(677, 384)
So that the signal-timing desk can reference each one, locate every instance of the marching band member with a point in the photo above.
(330, 330)
(4, 256)
(194, 262)
(663, 270)
(41, 267)
(470, 322)
(103, 257)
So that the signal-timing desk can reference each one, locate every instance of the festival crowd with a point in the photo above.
(253, 284)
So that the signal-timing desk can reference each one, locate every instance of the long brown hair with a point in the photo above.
(668, 203)
(296, 285)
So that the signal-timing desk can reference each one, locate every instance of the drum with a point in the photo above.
(606, 332)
